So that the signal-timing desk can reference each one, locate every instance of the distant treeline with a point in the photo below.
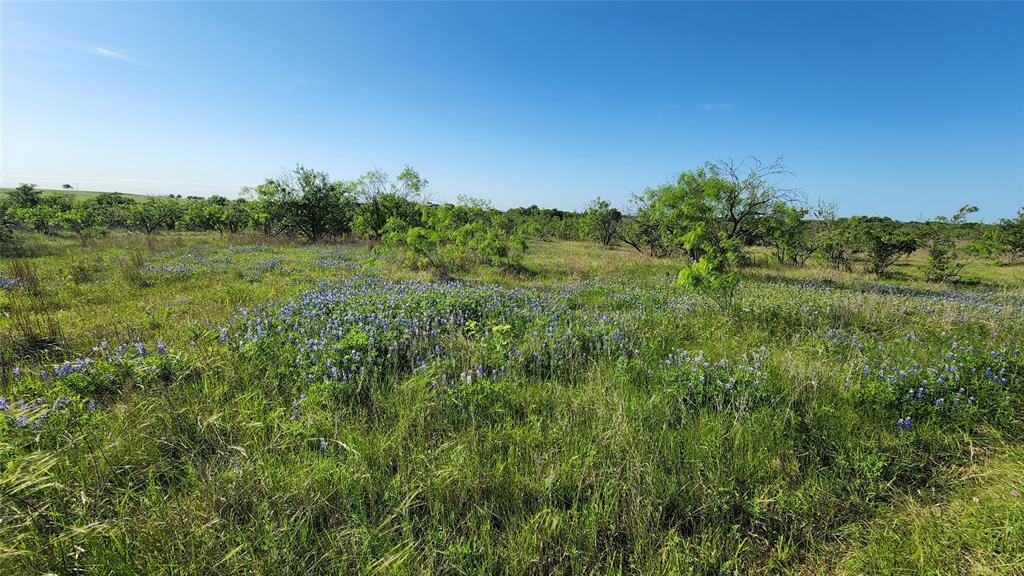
(706, 211)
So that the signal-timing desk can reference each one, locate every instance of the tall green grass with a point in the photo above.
(775, 452)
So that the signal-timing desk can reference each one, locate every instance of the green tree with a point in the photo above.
(450, 238)
(381, 199)
(25, 196)
(153, 215)
(1009, 237)
(42, 214)
(84, 218)
(9, 244)
(115, 207)
(885, 242)
(601, 221)
(944, 258)
(718, 207)
(234, 216)
(787, 231)
(206, 214)
(308, 203)
(835, 238)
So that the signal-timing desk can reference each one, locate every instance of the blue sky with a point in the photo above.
(907, 110)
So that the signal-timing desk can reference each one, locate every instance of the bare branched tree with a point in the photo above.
(753, 192)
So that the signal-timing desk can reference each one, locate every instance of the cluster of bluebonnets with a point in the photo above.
(335, 260)
(76, 387)
(198, 261)
(358, 331)
(702, 383)
(242, 248)
(962, 384)
(269, 265)
(957, 305)
(7, 283)
(170, 269)
(349, 335)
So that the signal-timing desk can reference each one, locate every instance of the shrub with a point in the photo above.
(308, 203)
(835, 239)
(713, 273)
(1010, 237)
(10, 243)
(601, 221)
(84, 270)
(885, 242)
(23, 272)
(452, 238)
(133, 269)
(944, 261)
(85, 218)
(787, 232)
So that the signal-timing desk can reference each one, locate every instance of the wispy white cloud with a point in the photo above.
(719, 105)
(108, 53)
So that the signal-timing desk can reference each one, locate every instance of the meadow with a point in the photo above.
(214, 403)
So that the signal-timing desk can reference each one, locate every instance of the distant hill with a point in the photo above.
(83, 194)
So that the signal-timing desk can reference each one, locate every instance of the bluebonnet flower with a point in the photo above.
(62, 402)
(323, 446)
(90, 405)
(939, 403)
(21, 422)
(161, 349)
(903, 423)
(4, 404)
(43, 375)
(16, 372)
(295, 407)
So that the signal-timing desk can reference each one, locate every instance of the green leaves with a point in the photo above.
(452, 238)
(601, 221)
(307, 202)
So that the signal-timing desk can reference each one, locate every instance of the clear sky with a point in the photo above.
(907, 110)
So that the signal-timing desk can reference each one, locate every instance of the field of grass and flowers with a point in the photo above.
(206, 403)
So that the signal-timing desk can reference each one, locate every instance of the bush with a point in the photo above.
(1010, 237)
(10, 244)
(713, 273)
(944, 262)
(132, 269)
(885, 242)
(308, 203)
(23, 272)
(451, 238)
(601, 221)
(84, 270)
(787, 232)
(835, 239)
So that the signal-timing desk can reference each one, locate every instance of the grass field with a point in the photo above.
(225, 404)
